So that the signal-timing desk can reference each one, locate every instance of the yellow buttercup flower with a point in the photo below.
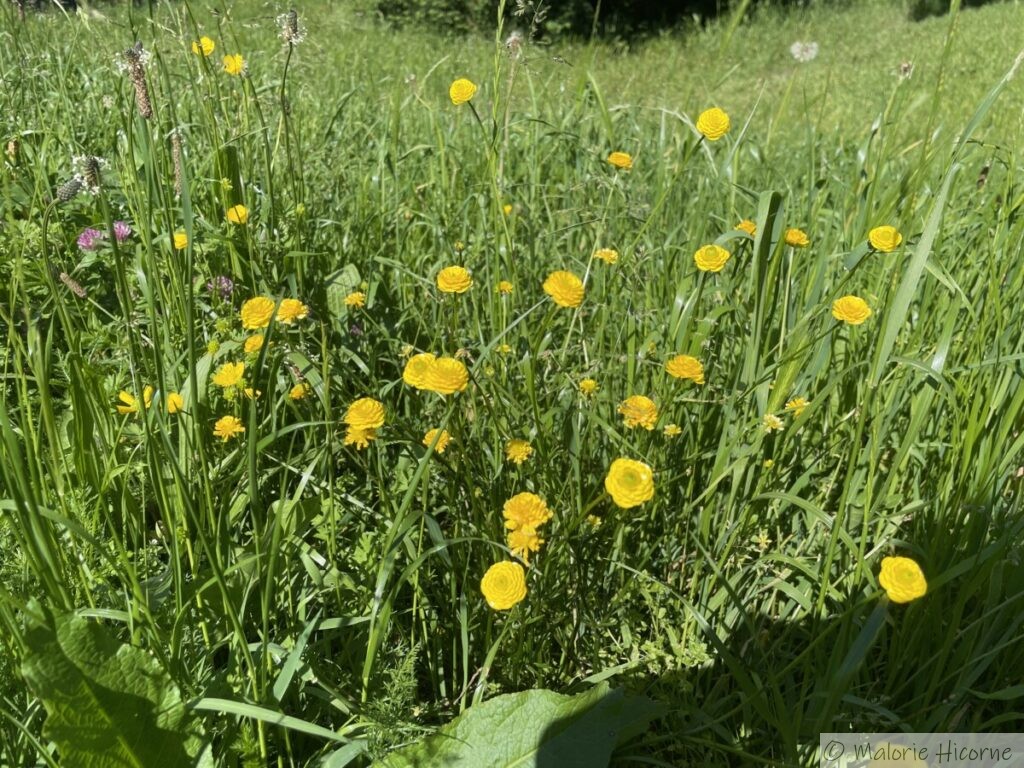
(885, 239)
(517, 451)
(238, 214)
(454, 280)
(180, 241)
(711, 258)
(771, 423)
(234, 64)
(902, 579)
(507, 209)
(256, 312)
(851, 309)
(229, 374)
(564, 288)
(356, 300)
(797, 405)
(588, 387)
(526, 511)
(227, 427)
(461, 91)
(621, 160)
(360, 437)
(442, 441)
(299, 391)
(130, 404)
(446, 376)
(175, 402)
(686, 367)
(672, 430)
(630, 483)
(797, 238)
(203, 45)
(291, 310)
(713, 124)
(607, 255)
(253, 344)
(365, 413)
(523, 542)
(504, 287)
(415, 373)
(638, 411)
(504, 585)
(747, 226)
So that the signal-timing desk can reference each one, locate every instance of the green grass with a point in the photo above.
(291, 575)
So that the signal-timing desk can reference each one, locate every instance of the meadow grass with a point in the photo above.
(305, 593)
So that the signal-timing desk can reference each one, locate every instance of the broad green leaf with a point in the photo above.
(533, 729)
(108, 704)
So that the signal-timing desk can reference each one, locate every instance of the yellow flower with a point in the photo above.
(253, 344)
(360, 437)
(525, 511)
(291, 310)
(229, 374)
(713, 124)
(180, 241)
(630, 483)
(300, 390)
(238, 214)
(902, 579)
(885, 239)
(356, 299)
(454, 280)
(594, 521)
(442, 441)
(365, 414)
(797, 238)
(851, 309)
(638, 411)
(130, 404)
(747, 226)
(686, 367)
(504, 287)
(234, 64)
(504, 349)
(446, 376)
(523, 542)
(203, 45)
(621, 160)
(507, 209)
(672, 430)
(517, 451)
(607, 255)
(251, 393)
(461, 91)
(797, 405)
(711, 258)
(564, 288)
(256, 312)
(175, 402)
(415, 373)
(503, 585)
(771, 423)
(588, 387)
(227, 427)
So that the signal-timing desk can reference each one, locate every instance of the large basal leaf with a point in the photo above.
(109, 705)
(532, 729)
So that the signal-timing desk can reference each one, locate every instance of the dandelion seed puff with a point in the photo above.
(804, 52)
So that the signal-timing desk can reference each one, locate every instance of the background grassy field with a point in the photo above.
(283, 573)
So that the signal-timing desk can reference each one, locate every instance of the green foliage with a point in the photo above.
(533, 729)
(107, 703)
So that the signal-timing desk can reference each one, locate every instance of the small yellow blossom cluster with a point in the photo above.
(174, 402)
(443, 375)
(441, 436)
(524, 513)
(517, 451)
(258, 312)
(363, 418)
